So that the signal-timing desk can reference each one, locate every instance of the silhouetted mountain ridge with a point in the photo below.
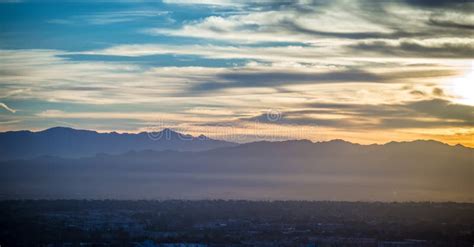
(73, 143)
(69, 142)
(295, 169)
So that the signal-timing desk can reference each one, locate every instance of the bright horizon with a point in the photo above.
(232, 137)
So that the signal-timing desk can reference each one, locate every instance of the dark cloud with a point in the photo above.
(451, 24)
(439, 3)
(5, 73)
(417, 92)
(275, 79)
(439, 24)
(411, 49)
(310, 6)
(438, 92)
(364, 110)
(306, 7)
(435, 108)
(402, 123)
(297, 119)
(377, 11)
(416, 114)
(285, 77)
(443, 109)
(293, 27)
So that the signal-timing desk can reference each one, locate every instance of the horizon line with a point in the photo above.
(240, 143)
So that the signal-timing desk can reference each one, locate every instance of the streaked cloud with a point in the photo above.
(414, 114)
(206, 2)
(457, 48)
(111, 17)
(4, 106)
(312, 22)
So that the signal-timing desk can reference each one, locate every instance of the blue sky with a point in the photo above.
(365, 71)
(84, 25)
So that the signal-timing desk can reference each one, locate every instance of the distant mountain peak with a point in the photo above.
(169, 130)
(58, 128)
(70, 142)
(421, 142)
(61, 129)
(339, 141)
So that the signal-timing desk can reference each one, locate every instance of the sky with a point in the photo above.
(363, 71)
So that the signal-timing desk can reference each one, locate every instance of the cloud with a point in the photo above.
(275, 79)
(415, 114)
(417, 92)
(440, 3)
(437, 108)
(4, 106)
(451, 24)
(298, 28)
(287, 24)
(205, 2)
(48, 76)
(438, 92)
(300, 21)
(460, 48)
(295, 118)
(151, 117)
(443, 109)
(107, 18)
(274, 54)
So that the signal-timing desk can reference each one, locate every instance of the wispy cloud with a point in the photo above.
(311, 23)
(407, 115)
(205, 2)
(110, 17)
(441, 48)
(4, 106)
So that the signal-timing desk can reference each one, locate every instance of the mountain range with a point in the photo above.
(201, 168)
(72, 143)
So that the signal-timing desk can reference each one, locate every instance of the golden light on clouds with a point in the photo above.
(463, 86)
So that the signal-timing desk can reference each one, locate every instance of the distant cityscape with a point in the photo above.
(211, 223)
